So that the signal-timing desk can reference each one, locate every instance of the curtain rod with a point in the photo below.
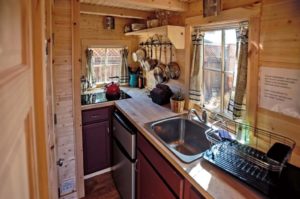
(219, 26)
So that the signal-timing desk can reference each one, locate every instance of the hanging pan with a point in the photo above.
(153, 61)
(147, 62)
(139, 56)
(159, 72)
(173, 67)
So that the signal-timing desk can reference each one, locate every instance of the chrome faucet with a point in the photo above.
(193, 111)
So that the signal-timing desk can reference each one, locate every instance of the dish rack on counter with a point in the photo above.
(258, 161)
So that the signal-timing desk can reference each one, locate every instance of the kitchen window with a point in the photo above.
(219, 68)
(106, 62)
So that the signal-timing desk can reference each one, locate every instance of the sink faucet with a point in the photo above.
(193, 111)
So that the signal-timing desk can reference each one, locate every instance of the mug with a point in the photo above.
(133, 82)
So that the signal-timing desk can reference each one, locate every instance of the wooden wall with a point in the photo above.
(63, 89)
(280, 47)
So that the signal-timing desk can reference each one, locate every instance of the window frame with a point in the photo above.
(106, 59)
(221, 28)
(99, 43)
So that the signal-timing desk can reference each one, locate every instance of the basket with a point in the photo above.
(177, 106)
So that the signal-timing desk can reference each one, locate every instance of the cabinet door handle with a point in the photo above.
(136, 166)
(94, 116)
(107, 130)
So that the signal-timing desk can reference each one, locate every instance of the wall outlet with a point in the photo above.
(68, 186)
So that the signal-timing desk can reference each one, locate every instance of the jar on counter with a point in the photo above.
(141, 80)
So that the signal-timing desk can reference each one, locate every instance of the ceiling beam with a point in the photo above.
(113, 11)
(172, 5)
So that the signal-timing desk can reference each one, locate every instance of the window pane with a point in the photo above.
(106, 63)
(213, 50)
(228, 85)
(212, 90)
(230, 50)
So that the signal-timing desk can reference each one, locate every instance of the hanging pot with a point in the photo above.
(153, 61)
(159, 70)
(147, 65)
(112, 90)
(173, 67)
(139, 55)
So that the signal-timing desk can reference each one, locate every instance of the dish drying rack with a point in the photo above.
(258, 161)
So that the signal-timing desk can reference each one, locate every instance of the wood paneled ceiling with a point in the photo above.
(145, 5)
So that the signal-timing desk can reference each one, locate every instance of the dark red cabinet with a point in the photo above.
(149, 183)
(96, 140)
(157, 178)
(190, 192)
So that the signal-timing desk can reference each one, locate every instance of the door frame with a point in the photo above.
(76, 66)
(38, 11)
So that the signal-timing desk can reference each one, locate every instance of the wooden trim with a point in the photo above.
(76, 64)
(31, 156)
(113, 11)
(253, 70)
(227, 16)
(172, 5)
(39, 78)
(51, 136)
(187, 68)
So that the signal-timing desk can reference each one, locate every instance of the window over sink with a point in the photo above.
(219, 68)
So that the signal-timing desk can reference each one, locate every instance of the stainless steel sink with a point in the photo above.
(184, 137)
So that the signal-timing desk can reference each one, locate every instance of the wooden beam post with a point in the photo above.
(76, 75)
(171, 5)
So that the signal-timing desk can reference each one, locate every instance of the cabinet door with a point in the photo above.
(150, 185)
(190, 192)
(96, 147)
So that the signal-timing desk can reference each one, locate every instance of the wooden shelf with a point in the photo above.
(176, 34)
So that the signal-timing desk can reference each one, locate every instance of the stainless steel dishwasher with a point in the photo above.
(124, 156)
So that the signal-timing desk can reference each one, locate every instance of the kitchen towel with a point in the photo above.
(195, 93)
(124, 77)
(236, 102)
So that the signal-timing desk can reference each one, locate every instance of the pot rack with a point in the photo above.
(155, 43)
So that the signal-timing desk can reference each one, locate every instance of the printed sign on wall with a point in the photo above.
(280, 90)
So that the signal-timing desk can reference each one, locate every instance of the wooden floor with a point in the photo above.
(101, 187)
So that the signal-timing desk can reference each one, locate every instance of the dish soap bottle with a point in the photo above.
(242, 133)
(141, 80)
